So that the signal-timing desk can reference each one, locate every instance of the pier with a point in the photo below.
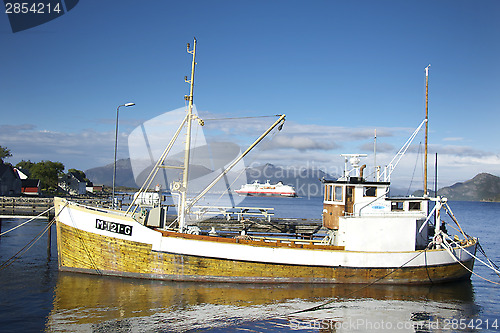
(24, 207)
(21, 207)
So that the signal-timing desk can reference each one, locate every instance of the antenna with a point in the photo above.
(354, 160)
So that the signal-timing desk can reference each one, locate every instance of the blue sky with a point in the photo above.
(338, 69)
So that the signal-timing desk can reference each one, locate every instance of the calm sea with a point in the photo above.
(35, 297)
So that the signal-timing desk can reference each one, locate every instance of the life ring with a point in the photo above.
(176, 186)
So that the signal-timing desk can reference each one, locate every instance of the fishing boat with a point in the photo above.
(368, 236)
(267, 190)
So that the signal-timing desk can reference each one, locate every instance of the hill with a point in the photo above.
(104, 175)
(483, 187)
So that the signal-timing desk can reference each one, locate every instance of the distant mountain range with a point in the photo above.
(104, 175)
(307, 181)
(483, 187)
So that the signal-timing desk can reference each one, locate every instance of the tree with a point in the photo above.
(4, 153)
(26, 165)
(79, 173)
(48, 172)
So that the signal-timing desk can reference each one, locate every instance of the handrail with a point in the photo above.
(380, 196)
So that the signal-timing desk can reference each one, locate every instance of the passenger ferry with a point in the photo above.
(276, 190)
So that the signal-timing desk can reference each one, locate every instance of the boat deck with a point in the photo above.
(303, 228)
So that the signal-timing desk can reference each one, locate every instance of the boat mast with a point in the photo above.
(375, 156)
(185, 174)
(426, 125)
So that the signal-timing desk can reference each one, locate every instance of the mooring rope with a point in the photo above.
(448, 249)
(322, 306)
(30, 243)
(484, 254)
(82, 241)
(20, 225)
(28, 246)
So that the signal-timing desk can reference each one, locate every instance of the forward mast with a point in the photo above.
(187, 148)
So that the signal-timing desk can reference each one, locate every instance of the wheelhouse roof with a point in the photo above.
(355, 181)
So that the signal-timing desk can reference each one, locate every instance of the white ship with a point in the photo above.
(267, 189)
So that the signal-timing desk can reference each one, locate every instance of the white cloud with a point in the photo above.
(307, 145)
(81, 150)
(453, 139)
(301, 143)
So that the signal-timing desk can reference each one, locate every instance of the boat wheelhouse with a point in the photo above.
(361, 217)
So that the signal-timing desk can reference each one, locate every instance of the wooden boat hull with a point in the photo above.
(83, 246)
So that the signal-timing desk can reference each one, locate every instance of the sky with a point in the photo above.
(337, 69)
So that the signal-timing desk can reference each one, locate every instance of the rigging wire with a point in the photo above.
(249, 117)
(271, 135)
(415, 168)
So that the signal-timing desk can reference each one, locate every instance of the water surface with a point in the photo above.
(36, 297)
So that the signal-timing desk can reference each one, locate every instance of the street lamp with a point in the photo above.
(116, 143)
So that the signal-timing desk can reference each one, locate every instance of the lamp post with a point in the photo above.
(116, 143)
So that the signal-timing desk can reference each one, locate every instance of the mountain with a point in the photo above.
(307, 181)
(483, 187)
(104, 175)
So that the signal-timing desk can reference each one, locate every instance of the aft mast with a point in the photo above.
(189, 116)
(426, 125)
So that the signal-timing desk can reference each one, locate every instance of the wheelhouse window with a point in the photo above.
(397, 206)
(369, 191)
(333, 193)
(327, 192)
(338, 193)
(414, 205)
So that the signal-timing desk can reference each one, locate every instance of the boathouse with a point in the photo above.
(30, 187)
(10, 184)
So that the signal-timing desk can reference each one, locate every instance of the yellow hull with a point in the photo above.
(83, 251)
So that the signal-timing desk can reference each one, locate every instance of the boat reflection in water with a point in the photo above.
(100, 304)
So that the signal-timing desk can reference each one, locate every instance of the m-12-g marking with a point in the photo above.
(114, 227)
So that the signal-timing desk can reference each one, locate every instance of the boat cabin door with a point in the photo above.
(349, 199)
(333, 205)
